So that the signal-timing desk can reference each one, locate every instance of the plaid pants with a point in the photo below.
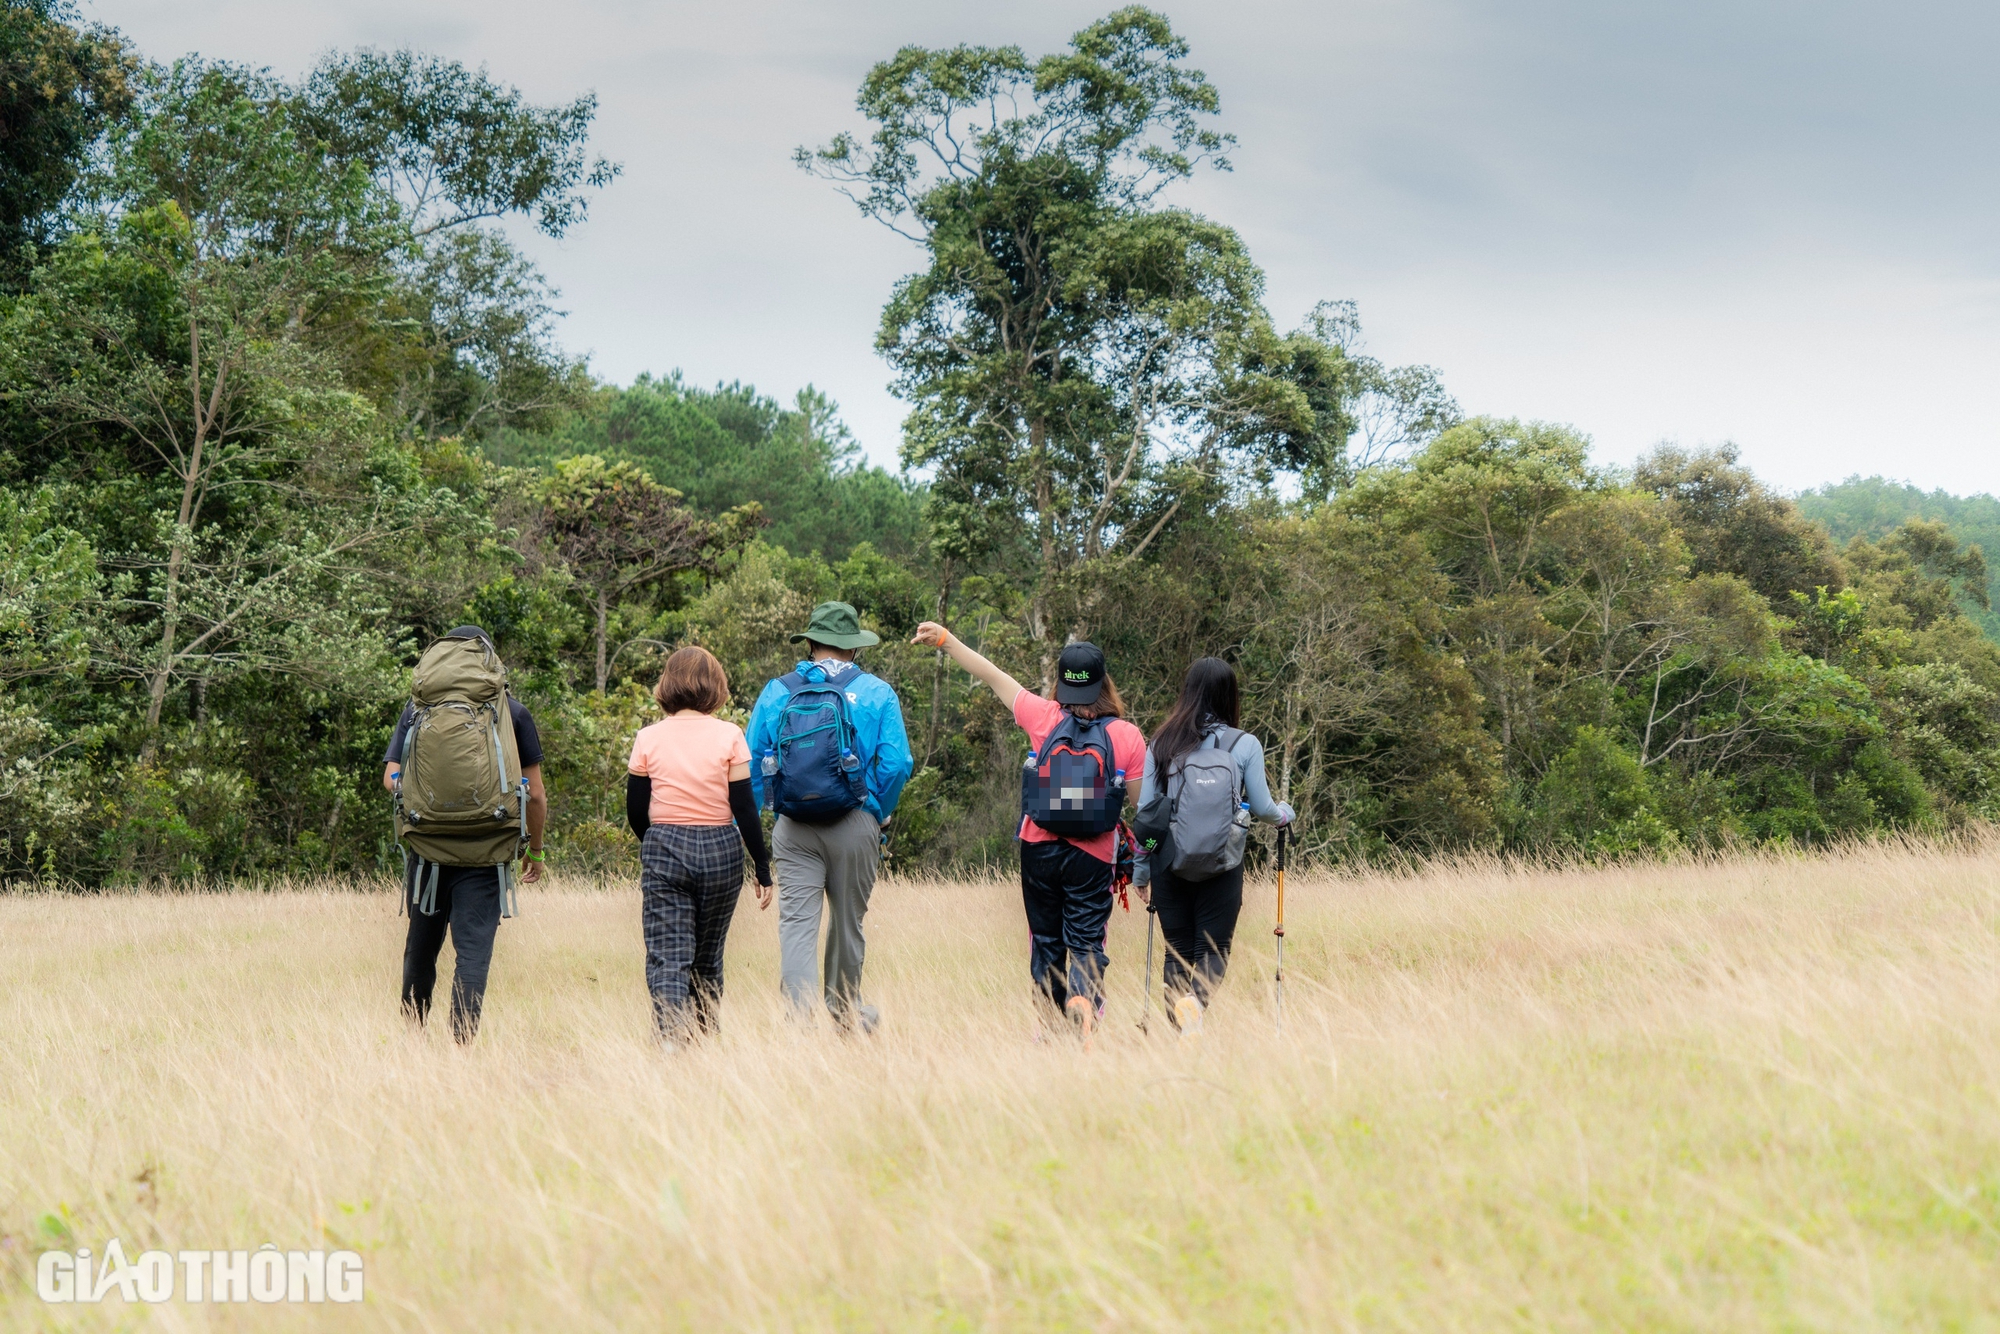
(690, 876)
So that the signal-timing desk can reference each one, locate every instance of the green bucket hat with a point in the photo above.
(836, 625)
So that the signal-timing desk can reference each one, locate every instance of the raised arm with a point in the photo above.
(933, 635)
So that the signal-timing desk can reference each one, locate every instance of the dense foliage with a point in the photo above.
(1874, 507)
(281, 402)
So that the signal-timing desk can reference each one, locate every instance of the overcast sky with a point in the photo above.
(1766, 221)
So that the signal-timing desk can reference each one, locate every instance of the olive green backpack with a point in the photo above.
(460, 799)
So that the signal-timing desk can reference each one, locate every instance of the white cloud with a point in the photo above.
(1767, 222)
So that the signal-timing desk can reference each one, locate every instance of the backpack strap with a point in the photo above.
(495, 712)
(422, 888)
(1221, 738)
(1092, 731)
(795, 681)
(1225, 738)
(413, 710)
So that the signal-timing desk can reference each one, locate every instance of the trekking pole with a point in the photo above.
(1278, 983)
(1146, 1001)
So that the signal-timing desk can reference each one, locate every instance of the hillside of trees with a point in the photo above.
(281, 402)
(1874, 507)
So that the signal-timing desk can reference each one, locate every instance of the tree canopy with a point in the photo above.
(1079, 355)
(1873, 507)
(62, 84)
(282, 402)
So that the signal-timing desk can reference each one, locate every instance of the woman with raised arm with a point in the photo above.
(1204, 778)
(687, 797)
(1072, 790)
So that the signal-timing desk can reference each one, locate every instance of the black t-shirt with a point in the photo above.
(526, 739)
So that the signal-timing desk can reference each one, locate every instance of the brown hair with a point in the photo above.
(693, 679)
(1108, 704)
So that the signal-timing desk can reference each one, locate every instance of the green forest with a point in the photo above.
(280, 402)
(1874, 507)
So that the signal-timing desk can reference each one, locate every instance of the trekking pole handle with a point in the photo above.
(1283, 831)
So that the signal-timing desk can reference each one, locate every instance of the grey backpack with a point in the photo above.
(1205, 809)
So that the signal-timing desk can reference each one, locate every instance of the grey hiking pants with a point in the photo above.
(832, 863)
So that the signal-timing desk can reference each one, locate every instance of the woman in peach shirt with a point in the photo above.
(688, 799)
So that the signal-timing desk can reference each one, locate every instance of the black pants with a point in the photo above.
(468, 901)
(1198, 921)
(1067, 893)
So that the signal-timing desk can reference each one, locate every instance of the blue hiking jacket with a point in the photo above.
(879, 738)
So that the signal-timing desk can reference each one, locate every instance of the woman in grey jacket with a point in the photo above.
(1198, 917)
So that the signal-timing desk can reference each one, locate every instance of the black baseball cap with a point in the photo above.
(1080, 674)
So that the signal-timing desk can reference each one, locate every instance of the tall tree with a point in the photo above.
(453, 146)
(470, 346)
(613, 530)
(1486, 498)
(61, 84)
(186, 337)
(1734, 524)
(1363, 413)
(1070, 342)
(178, 331)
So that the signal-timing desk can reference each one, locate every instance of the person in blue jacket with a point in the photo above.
(828, 753)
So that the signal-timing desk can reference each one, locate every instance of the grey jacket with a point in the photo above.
(1248, 752)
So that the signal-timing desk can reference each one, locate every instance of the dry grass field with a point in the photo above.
(1757, 1094)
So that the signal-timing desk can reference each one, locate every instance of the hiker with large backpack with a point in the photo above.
(1203, 782)
(465, 768)
(1080, 752)
(688, 798)
(830, 755)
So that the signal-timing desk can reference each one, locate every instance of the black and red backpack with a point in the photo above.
(1074, 788)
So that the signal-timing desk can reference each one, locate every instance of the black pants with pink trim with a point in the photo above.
(1067, 893)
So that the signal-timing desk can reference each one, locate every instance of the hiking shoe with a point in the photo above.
(1187, 1016)
(862, 1019)
(1084, 1015)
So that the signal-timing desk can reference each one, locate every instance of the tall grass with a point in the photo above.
(1750, 1094)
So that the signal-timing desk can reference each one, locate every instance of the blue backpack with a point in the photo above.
(1074, 788)
(813, 773)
